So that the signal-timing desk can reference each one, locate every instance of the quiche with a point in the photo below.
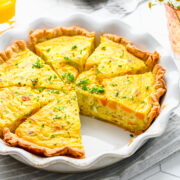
(129, 101)
(44, 86)
(116, 56)
(51, 131)
(63, 46)
(21, 67)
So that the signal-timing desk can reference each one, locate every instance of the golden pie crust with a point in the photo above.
(41, 35)
(13, 140)
(12, 50)
(160, 87)
(150, 58)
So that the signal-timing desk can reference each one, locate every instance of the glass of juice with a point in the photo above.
(7, 14)
(173, 20)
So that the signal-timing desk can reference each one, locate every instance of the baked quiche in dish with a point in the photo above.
(60, 72)
(53, 130)
(116, 56)
(61, 46)
(20, 66)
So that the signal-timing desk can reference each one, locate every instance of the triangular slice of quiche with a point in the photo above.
(20, 66)
(61, 46)
(53, 130)
(116, 56)
(16, 103)
(129, 101)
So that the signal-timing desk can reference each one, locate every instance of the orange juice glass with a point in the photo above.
(7, 14)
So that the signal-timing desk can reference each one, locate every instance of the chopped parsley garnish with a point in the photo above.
(147, 87)
(84, 87)
(48, 50)
(142, 101)
(55, 77)
(40, 89)
(84, 81)
(117, 94)
(30, 122)
(16, 64)
(42, 125)
(97, 90)
(98, 71)
(131, 135)
(57, 117)
(64, 75)
(81, 51)
(122, 54)
(55, 91)
(52, 135)
(123, 97)
(74, 47)
(103, 48)
(50, 77)
(70, 77)
(66, 57)
(34, 81)
(19, 83)
(61, 108)
(114, 85)
(119, 65)
(38, 64)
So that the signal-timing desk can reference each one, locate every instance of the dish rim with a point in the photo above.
(90, 161)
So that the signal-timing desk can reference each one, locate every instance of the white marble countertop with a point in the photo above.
(152, 21)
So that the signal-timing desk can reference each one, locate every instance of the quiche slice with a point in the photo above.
(22, 67)
(53, 130)
(116, 56)
(63, 46)
(16, 103)
(129, 101)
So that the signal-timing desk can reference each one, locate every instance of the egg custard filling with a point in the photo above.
(21, 67)
(51, 131)
(129, 101)
(44, 86)
(61, 47)
(16, 103)
(116, 56)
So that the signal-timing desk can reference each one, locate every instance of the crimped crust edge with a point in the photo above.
(12, 50)
(150, 58)
(40, 35)
(13, 140)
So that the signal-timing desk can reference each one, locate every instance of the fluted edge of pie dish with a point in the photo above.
(155, 130)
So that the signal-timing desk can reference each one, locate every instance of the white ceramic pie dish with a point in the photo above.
(104, 143)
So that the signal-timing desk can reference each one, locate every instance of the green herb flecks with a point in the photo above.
(117, 94)
(84, 81)
(70, 77)
(74, 47)
(66, 57)
(48, 50)
(38, 64)
(57, 117)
